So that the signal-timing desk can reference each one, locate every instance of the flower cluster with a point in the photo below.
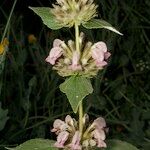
(68, 61)
(69, 12)
(69, 137)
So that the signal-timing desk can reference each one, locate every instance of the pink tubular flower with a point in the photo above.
(98, 133)
(61, 139)
(100, 54)
(55, 52)
(75, 62)
(59, 126)
(75, 144)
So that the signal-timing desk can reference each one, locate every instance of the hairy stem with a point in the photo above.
(81, 118)
(80, 105)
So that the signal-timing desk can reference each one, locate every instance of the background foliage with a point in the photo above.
(30, 89)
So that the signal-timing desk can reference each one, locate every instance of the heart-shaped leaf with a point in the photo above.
(98, 23)
(36, 144)
(76, 89)
(47, 17)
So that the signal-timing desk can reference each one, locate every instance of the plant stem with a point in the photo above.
(80, 118)
(8, 21)
(80, 105)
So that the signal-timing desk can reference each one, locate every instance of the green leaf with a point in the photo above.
(36, 144)
(3, 117)
(118, 145)
(47, 17)
(76, 88)
(146, 146)
(98, 23)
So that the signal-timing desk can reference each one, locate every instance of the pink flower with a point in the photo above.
(59, 126)
(98, 133)
(75, 61)
(75, 144)
(100, 54)
(67, 125)
(55, 52)
(61, 139)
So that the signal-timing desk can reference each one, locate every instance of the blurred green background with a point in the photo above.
(30, 98)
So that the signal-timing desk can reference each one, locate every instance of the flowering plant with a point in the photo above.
(78, 61)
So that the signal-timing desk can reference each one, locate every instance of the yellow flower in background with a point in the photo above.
(32, 39)
(3, 44)
(2, 48)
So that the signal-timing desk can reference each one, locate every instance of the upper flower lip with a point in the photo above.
(57, 43)
(99, 123)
